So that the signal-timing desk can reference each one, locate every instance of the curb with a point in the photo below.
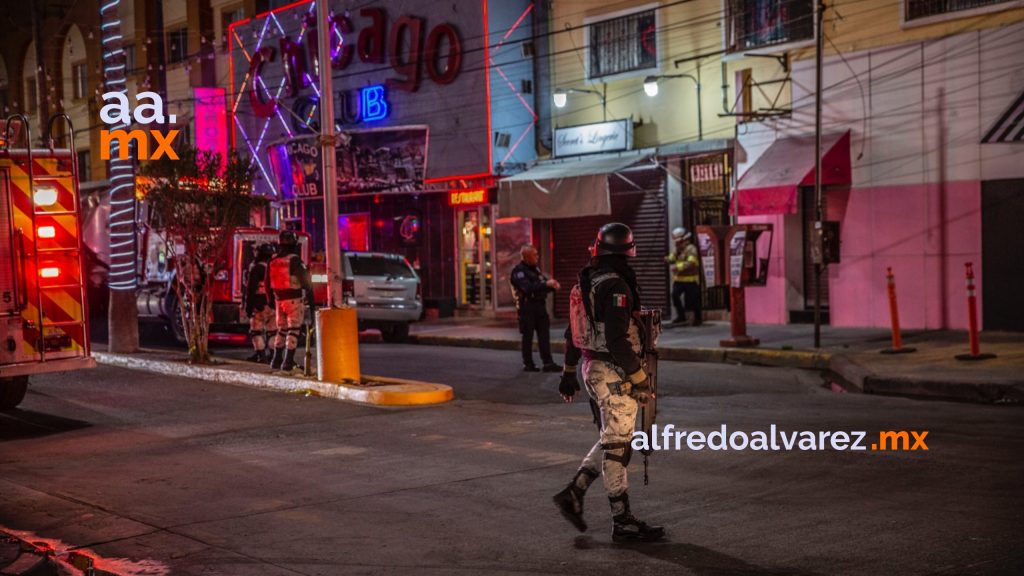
(384, 391)
(842, 369)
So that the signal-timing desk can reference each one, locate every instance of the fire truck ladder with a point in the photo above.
(41, 322)
(76, 250)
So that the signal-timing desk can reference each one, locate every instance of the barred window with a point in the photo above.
(760, 23)
(925, 8)
(625, 44)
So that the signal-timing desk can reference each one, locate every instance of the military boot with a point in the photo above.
(259, 356)
(278, 358)
(570, 500)
(626, 528)
(289, 360)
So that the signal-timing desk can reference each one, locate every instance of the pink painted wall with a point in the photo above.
(900, 226)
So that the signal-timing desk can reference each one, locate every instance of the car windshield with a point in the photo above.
(363, 265)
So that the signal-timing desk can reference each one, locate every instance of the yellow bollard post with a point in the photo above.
(337, 355)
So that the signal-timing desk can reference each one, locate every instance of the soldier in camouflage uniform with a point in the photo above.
(604, 332)
(290, 281)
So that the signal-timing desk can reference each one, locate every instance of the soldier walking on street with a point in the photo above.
(289, 279)
(258, 303)
(603, 330)
(531, 288)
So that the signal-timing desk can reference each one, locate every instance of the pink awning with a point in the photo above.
(770, 185)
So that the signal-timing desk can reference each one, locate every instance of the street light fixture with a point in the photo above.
(651, 89)
(561, 97)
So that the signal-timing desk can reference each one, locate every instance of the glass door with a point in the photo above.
(475, 270)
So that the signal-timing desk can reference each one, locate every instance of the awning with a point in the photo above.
(1010, 126)
(564, 188)
(770, 185)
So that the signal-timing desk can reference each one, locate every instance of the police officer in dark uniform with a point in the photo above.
(604, 332)
(530, 289)
(258, 302)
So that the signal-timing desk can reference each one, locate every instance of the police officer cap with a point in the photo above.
(614, 238)
(287, 238)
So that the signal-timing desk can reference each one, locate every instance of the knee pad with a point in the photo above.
(620, 452)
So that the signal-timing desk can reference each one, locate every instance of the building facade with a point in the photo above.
(923, 160)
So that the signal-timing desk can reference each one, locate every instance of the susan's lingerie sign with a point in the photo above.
(613, 136)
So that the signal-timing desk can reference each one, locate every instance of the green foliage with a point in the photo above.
(196, 203)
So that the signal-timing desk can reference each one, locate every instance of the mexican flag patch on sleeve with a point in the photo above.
(619, 300)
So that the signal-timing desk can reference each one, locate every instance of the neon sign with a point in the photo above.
(372, 103)
(467, 197)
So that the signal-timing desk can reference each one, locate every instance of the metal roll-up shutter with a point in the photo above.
(639, 203)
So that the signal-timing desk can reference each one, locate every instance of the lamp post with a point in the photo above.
(651, 89)
(561, 97)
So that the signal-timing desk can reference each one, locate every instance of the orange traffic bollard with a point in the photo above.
(972, 321)
(894, 318)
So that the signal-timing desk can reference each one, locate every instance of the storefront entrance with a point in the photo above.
(476, 256)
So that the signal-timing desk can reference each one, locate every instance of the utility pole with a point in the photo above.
(817, 252)
(327, 141)
(122, 320)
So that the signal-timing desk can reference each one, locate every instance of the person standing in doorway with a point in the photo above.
(530, 288)
(685, 263)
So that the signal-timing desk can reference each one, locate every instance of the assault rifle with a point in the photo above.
(650, 328)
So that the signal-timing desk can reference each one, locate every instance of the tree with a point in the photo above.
(196, 203)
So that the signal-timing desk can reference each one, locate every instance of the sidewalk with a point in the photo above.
(849, 356)
(374, 390)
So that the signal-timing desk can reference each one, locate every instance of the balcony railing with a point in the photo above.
(917, 9)
(762, 23)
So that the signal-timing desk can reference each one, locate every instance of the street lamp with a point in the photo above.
(561, 97)
(651, 89)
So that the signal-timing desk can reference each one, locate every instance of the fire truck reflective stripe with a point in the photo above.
(55, 233)
(60, 306)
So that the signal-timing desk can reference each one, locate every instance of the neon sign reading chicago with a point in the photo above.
(407, 46)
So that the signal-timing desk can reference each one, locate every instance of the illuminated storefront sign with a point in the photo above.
(408, 52)
(467, 197)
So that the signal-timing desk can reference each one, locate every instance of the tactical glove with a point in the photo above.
(642, 392)
(568, 385)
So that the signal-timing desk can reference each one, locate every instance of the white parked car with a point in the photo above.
(385, 290)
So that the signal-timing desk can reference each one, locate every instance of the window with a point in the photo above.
(380, 266)
(79, 81)
(227, 18)
(129, 59)
(917, 9)
(745, 101)
(760, 23)
(31, 97)
(177, 45)
(624, 44)
(83, 166)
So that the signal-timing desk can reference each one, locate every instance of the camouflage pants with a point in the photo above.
(261, 321)
(290, 315)
(608, 386)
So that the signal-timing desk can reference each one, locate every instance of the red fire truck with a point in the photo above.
(43, 319)
(158, 305)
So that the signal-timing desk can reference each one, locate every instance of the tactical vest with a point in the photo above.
(261, 288)
(587, 332)
(281, 277)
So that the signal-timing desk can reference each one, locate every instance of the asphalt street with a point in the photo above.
(202, 478)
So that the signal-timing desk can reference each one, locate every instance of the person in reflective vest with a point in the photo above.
(292, 290)
(258, 303)
(604, 332)
(685, 264)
